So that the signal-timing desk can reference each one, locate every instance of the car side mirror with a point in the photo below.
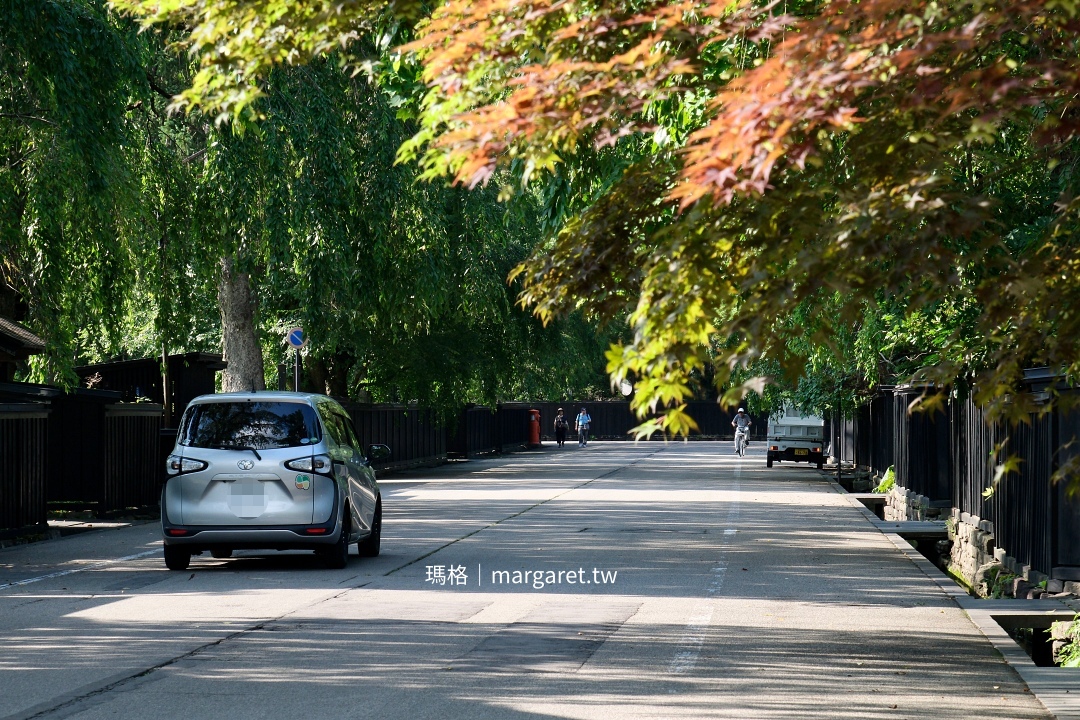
(378, 453)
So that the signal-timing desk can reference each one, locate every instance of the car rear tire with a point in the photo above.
(338, 557)
(820, 465)
(177, 558)
(768, 461)
(221, 554)
(371, 545)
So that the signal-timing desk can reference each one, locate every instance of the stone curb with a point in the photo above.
(1058, 689)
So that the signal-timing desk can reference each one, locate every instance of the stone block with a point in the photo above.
(1035, 577)
(989, 544)
(979, 576)
(999, 555)
(1020, 588)
(1060, 630)
(1055, 586)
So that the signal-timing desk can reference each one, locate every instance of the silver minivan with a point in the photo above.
(269, 470)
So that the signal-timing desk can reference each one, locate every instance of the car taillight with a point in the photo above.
(815, 449)
(316, 464)
(177, 465)
(176, 532)
(315, 531)
(774, 447)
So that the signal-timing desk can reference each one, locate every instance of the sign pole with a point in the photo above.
(296, 339)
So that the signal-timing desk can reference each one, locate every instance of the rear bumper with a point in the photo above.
(199, 538)
(264, 538)
(789, 455)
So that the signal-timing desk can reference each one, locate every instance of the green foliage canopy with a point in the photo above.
(117, 212)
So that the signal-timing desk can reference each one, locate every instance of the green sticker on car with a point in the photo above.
(303, 482)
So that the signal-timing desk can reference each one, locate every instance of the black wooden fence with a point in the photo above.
(23, 436)
(132, 465)
(951, 456)
(81, 449)
(103, 455)
(413, 434)
(882, 433)
(1035, 521)
(481, 429)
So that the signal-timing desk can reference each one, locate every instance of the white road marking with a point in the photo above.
(93, 566)
(694, 636)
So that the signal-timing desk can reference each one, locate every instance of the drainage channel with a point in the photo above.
(1008, 624)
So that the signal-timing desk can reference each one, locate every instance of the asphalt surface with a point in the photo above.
(716, 588)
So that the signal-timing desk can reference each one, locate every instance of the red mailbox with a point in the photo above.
(534, 428)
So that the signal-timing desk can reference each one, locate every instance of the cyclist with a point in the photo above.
(741, 422)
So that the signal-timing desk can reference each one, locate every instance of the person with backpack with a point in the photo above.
(561, 426)
(582, 426)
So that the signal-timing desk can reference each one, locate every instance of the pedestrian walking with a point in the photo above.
(561, 426)
(582, 424)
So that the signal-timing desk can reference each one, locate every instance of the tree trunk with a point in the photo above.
(239, 340)
(337, 383)
(316, 374)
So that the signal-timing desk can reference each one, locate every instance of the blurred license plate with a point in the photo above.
(801, 451)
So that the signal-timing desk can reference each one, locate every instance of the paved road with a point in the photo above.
(731, 591)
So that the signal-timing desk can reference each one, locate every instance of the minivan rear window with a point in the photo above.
(245, 425)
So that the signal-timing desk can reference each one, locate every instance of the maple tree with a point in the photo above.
(829, 163)
(814, 161)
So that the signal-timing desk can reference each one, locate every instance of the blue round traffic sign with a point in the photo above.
(296, 338)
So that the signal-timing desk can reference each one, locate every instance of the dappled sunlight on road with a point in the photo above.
(704, 586)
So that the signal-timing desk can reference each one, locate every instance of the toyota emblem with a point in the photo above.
(245, 464)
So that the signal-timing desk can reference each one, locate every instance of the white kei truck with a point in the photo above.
(794, 437)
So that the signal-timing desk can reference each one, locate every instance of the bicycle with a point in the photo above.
(740, 442)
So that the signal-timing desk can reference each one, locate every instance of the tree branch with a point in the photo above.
(194, 156)
(20, 116)
(158, 89)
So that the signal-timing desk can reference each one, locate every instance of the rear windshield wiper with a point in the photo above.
(238, 447)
